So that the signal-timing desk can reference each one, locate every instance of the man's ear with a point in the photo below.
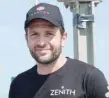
(26, 37)
(64, 38)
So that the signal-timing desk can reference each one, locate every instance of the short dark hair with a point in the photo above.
(62, 30)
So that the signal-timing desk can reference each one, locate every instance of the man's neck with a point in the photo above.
(47, 69)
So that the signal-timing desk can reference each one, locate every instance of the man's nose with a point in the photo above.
(42, 41)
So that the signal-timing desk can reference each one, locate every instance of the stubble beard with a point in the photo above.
(52, 57)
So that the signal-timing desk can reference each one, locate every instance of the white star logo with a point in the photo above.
(107, 94)
(41, 8)
(62, 87)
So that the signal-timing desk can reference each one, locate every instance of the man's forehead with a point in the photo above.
(41, 22)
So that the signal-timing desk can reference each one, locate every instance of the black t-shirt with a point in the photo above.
(75, 79)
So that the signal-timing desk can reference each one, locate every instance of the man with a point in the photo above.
(54, 76)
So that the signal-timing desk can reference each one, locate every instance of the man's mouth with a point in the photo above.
(41, 49)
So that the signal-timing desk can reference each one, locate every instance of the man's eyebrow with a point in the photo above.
(32, 31)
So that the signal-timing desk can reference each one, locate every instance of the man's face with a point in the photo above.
(45, 41)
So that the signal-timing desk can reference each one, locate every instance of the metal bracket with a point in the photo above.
(68, 3)
(80, 20)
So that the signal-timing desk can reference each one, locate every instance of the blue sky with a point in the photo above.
(14, 55)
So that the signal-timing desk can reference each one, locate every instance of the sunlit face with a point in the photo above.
(45, 41)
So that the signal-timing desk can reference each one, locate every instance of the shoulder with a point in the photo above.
(21, 81)
(94, 81)
(89, 70)
(82, 66)
(24, 76)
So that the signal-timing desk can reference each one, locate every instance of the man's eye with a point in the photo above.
(34, 34)
(49, 33)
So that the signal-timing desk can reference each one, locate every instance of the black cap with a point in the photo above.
(47, 12)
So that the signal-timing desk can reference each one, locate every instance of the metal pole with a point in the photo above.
(83, 37)
(83, 28)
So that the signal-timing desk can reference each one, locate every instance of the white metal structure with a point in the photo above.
(37, 2)
(83, 28)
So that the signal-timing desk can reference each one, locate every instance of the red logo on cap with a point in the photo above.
(41, 8)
